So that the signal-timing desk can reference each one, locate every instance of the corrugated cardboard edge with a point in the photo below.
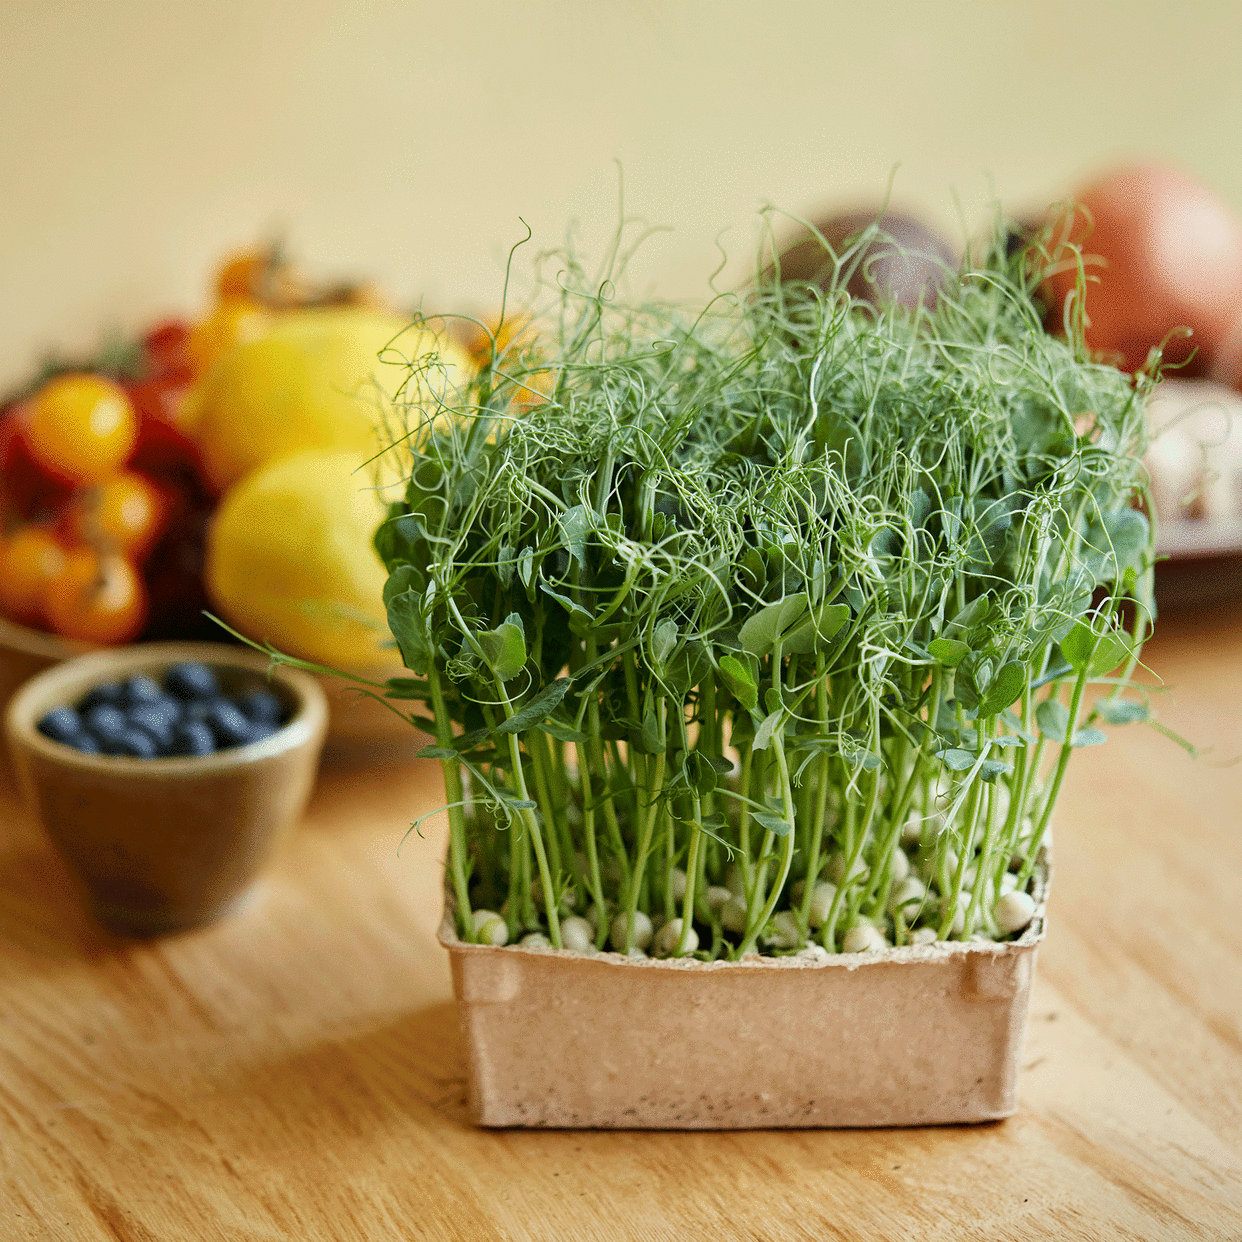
(921, 1035)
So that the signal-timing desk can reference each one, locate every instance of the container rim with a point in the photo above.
(64, 682)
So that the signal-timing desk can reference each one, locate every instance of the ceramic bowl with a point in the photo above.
(168, 843)
(357, 724)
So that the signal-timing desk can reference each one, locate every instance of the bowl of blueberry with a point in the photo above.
(166, 774)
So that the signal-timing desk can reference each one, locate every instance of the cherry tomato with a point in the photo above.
(97, 598)
(125, 513)
(81, 428)
(31, 559)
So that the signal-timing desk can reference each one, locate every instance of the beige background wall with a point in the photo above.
(142, 139)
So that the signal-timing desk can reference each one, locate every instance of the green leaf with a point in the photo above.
(1089, 737)
(774, 824)
(1078, 645)
(575, 526)
(1053, 719)
(407, 688)
(815, 633)
(536, 710)
(1006, 686)
(504, 648)
(651, 740)
(468, 741)
(956, 760)
(1122, 711)
(700, 773)
(662, 643)
(1083, 648)
(760, 631)
(741, 684)
(562, 732)
(405, 620)
(437, 752)
(949, 652)
(566, 603)
(990, 769)
(763, 734)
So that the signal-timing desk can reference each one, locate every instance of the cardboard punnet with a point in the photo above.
(922, 1035)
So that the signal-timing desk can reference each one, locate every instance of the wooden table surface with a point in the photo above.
(294, 1072)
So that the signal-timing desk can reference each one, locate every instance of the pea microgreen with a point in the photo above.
(703, 599)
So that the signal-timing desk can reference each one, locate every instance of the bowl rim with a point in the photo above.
(62, 682)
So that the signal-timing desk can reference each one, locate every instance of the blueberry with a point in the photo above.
(61, 724)
(228, 724)
(111, 693)
(105, 721)
(192, 737)
(260, 706)
(138, 690)
(151, 719)
(201, 709)
(191, 680)
(133, 742)
(85, 743)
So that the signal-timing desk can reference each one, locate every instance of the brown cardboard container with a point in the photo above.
(923, 1035)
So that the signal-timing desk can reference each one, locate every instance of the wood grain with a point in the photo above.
(293, 1073)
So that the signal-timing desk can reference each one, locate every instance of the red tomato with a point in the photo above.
(1163, 252)
(97, 598)
(31, 559)
(81, 428)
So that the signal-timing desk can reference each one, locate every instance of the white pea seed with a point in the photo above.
(969, 876)
(536, 940)
(642, 931)
(677, 883)
(577, 934)
(785, 934)
(636, 952)
(814, 953)
(670, 937)
(907, 895)
(716, 896)
(735, 880)
(836, 869)
(490, 928)
(912, 830)
(923, 935)
(899, 868)
(1014, 911)
(822, 897)
(733, 915)
(863, 938)
(1008, 883)
(959, 913)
